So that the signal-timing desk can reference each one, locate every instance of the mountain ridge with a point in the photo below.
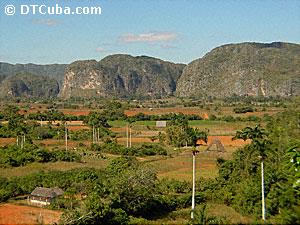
(121, 75)
(248, 68)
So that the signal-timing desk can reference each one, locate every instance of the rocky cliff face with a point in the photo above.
(244, 69)
(121, 76)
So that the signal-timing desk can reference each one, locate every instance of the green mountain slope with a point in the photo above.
(28, 85)
(55, 71)
(244, 69)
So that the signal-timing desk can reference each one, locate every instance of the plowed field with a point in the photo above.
(16, 214)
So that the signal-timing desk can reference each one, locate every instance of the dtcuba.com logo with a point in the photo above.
(51, 10)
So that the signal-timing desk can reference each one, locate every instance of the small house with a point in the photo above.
(161, 123)
(44, 196)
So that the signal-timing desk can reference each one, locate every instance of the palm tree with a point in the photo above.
(260, 146)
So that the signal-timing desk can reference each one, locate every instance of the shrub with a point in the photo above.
(244, 109)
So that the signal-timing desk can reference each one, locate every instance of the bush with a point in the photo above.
(244, 109)
(15, 156)
(112, 147)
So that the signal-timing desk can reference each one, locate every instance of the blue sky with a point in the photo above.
(174, 30)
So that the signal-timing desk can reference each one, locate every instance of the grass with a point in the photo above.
(117, 123)
(220, 127)
(62, 166)
(179, 166)
(182, 216)
(214, 127)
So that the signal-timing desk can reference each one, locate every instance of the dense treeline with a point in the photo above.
(239, 180)
(146, 149)
(14, 155)
(276, 101)
(168, 116)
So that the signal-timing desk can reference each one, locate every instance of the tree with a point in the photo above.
(260, 145)
(99, 125)
(179, 133)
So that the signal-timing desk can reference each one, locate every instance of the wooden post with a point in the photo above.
(194, 180)
(127, 141)
(66, 136)
(194, 152)
(93, 138)
(263, 192)
(130, 137)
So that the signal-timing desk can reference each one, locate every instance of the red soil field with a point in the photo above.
(75, 128)
(53, 142)
(76, 112)
(118, 129)
(226, 141)
(16, 214)
(6, 141)
(136, 140)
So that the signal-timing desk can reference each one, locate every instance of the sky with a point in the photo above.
(174, 30)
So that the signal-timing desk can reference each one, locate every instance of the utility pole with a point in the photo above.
(66, 136)
(130, 137)
(127, 141)
(93, 141)
(263, 192)
(194, 152)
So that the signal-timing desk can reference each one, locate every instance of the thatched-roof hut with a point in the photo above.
(44, 196)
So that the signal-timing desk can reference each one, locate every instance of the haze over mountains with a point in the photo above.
(242, 69)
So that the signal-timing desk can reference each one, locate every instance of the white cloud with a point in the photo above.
(100, 49)
(47, 22)
(148, 37)
(167, 46)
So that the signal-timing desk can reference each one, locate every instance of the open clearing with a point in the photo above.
(17, 214)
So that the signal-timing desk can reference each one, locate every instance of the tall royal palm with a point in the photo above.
(260, 146)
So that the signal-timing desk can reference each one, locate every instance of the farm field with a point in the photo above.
(88, 162)
(19, 214)
(179, 165)
(204, 113)
(175, 165)
(213, 209)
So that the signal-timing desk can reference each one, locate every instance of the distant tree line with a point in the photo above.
(146, 149)
(15, 156)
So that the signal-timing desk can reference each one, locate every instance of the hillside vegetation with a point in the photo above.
(55, 71)
(28, 85)
(121, 76)
(244, 69)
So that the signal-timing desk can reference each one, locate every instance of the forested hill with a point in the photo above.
(244, 69)
(54, 71)
(29, 85)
